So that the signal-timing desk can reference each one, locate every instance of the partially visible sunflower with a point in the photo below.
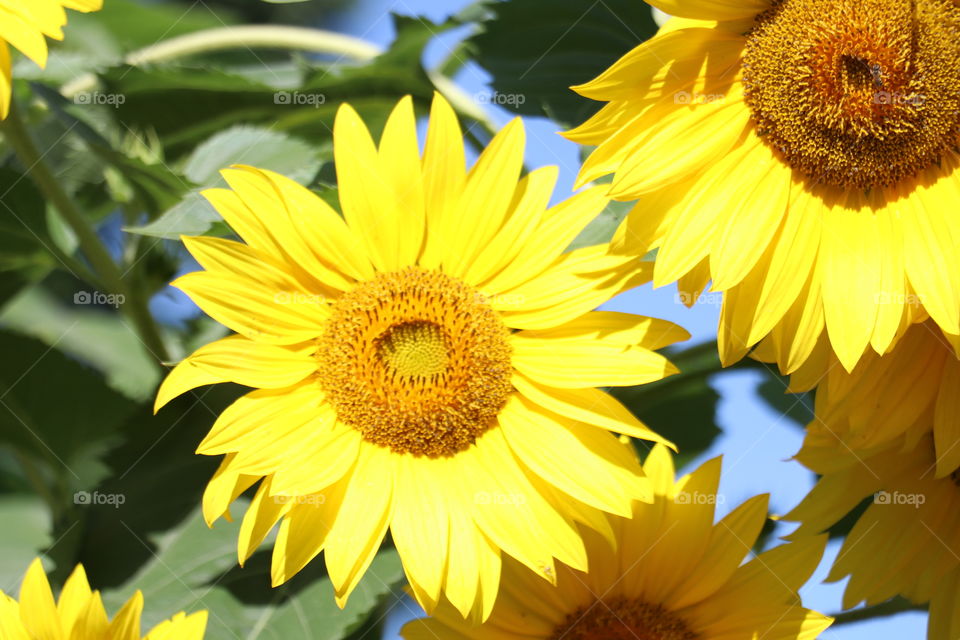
(912, 390)
(907, 542)
(801, 155)
(672, 575)
(23, 24)
(426, 363)
(78, 614)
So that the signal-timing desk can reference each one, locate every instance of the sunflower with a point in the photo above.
(668, 573)
(79, 614)
(907, 542)
(802, 156)
(23, 24)
(911, 390)
(425, 363)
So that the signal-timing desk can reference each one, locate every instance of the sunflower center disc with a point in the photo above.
(623, 619)
(857, 93)
(417, 361)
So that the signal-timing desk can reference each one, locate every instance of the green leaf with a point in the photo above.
(796, 406)
(56, 410)
(682, 407)
(25, 532)
(95, 336)
(193, 567)
(536, 49)
(185, 104)
(133, 24)
(601, 229)
(23, 234)
(262, 148)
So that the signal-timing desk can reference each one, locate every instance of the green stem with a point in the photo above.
(106, 269)
(888, 608)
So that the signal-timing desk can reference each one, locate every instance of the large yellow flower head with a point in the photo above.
(907, 542)
(78, 614)
(802, 156)
(425, 363)
(909, 392)
(672, 575)
(23, 24)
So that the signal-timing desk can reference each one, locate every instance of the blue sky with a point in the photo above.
(757, 443)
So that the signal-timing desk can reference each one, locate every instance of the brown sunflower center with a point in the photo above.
(856, 93)
(623, 619)
(417, 361)
(955, 477)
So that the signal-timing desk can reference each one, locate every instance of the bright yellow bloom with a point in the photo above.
(426, 363)
(79, 614)
(907, 542)
(23, 24)
(801, 155)
(911, 390)
(673, 575)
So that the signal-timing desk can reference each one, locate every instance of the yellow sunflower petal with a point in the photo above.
(712, 9)
(126, 624)
(400, 167)
(530, 200)
(574, 364)
(73, 599)
(559, 225)
(444, 174)
(579, 463)
(851, 278)
(590, 406)
(259, 312)
(6, 80)
(486, 197)
(578, 282)
(362, 520)
(37, 608)
(365, 193)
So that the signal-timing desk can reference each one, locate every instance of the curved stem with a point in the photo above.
(106, 269)
(888, 608)
(277, 37)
